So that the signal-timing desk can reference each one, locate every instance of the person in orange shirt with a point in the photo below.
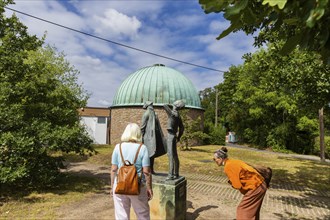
(245, 179)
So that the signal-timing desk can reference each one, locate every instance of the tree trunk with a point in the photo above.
(322, 148)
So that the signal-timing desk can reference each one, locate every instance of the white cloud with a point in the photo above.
(115, 23)
(104, 102)
(100, 48)
(228, 50)
(218, 26)
(232, 49)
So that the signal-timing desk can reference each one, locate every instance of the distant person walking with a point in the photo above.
(122, 203)
(245, 179)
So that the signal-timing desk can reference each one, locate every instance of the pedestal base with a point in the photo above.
(170, 196)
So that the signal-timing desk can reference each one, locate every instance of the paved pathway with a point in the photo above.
(283, 201)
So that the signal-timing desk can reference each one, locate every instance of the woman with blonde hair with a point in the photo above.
(130, 142)
(247, 180)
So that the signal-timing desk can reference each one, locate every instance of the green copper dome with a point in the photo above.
(159, 84)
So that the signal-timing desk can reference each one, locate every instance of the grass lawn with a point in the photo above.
(308, 173)
(37, 204)
(33, 204)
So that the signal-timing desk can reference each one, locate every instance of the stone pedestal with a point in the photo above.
(170, 196)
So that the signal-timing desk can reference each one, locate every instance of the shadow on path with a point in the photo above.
(194, 215)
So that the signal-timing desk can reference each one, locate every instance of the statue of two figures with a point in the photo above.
(153, 137)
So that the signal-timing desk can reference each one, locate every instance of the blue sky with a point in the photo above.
(176, 29)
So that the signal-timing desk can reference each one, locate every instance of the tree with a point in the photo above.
(208, 103)
(304, 22)
(39, 98)
(193, 131)
(276, 98)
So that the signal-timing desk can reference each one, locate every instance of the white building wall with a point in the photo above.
(96, 128)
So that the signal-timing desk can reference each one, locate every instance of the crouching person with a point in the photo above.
(245, 179)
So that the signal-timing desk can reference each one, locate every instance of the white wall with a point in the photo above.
(96, 128)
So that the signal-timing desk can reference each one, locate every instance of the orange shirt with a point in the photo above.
(242, 176)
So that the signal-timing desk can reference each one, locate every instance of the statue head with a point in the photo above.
(179, 104)
(147, 103)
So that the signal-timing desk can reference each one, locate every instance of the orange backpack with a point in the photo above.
(127, 177)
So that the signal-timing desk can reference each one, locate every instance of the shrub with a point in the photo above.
(326, 146)
(218, 135)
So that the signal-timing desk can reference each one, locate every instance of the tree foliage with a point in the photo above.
(216, 135)
(39, 98)
(275, 99)
(304, 22)
(193, 131)
(208, 103)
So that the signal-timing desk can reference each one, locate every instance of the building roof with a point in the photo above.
(159, 84)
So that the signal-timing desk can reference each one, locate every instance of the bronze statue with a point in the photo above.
(152, 134)
(174, 125)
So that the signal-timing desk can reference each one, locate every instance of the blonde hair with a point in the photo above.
(132, 132)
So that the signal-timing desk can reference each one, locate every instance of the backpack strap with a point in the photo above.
(121, 154)
(136, 155)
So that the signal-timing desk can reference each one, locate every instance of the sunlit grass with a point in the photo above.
(198, 160)
(307, 173)
(101, 157)
(42, 204)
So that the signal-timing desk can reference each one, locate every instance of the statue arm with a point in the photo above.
(168, 110)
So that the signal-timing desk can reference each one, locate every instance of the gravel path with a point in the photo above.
(208, 197)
